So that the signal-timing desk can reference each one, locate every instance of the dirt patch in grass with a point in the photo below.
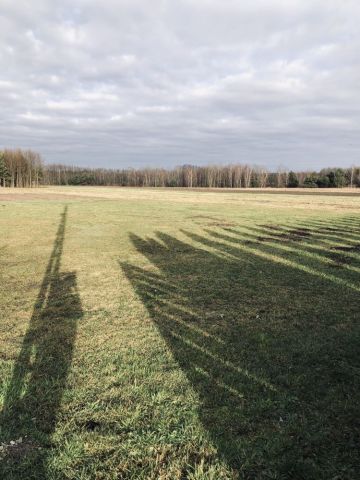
(18, 449)
(222, 224)
(264, 239)
(270, 226)
(19, 197)
(352, 248)
(203, 217)
(91, 425)
(301, 232)
(288, 234)
(330, 229)
(215, 222)
(295, 235)
(339, 260)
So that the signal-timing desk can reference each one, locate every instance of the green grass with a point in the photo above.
(158, 334)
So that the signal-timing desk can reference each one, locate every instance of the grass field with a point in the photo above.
(174, 334)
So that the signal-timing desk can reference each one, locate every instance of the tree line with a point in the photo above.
(25, 168)
(21, 168)
(228, 176)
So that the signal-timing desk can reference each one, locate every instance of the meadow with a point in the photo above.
(179, 334)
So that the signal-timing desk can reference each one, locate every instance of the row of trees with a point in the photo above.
(229, 176)
(20, 168)
(333, 178)
(24, 168)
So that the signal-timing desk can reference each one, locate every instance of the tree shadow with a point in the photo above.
(314, 248)
(269, 340)
(34, 394)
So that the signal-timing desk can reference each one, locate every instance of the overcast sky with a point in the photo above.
(155, 82)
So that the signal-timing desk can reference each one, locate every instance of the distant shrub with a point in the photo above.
(293, 180)
(82, 179)
(310, 182)
(323, 181)
(337, 178)
(171, 183)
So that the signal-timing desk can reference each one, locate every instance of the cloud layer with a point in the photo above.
(138, 82)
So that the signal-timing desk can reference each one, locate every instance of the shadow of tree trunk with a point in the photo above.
(39, 376)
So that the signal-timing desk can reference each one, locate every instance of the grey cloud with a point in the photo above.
(167, 82)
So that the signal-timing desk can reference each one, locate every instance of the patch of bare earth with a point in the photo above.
(19, 197)
(17, 449)
(295, 235)
(352, 248)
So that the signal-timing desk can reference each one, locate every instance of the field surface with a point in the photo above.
(179, 334)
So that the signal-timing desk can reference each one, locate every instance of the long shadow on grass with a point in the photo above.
(270, 342)
(39, 376)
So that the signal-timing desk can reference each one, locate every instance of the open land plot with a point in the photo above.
(173, 334)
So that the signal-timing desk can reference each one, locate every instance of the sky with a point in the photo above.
(134, 83)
